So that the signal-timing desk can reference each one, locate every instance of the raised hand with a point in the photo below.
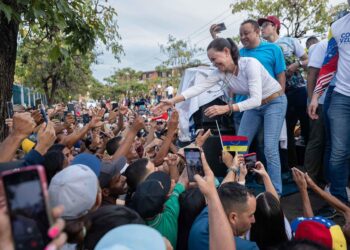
(163, 106)
(23, 124)
(173, 121)
(202, 137)
(299, 178)
(206, 184)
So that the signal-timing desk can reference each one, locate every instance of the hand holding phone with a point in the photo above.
(250, 160)
(220, 27)
(27, 202)
(43, 113)
(194, 163)
(10, 111)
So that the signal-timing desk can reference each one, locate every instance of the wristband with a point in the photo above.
(233, 169)
(241, 182)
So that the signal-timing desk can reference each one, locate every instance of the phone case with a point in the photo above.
(42, 176)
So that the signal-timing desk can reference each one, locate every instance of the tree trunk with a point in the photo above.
(8, 50)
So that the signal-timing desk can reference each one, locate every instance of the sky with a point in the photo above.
(144, 25)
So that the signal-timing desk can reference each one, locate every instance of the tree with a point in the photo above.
(124, 76)
(59, 78)
(297, 16)
(180, 54)
(97, 90)
(74, 25)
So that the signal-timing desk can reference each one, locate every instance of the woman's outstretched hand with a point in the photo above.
(163, 106)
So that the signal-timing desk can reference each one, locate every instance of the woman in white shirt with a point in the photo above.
(266, 104)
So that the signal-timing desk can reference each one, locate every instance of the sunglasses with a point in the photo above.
(160, 123)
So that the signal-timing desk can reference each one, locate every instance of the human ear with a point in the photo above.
(232, 218)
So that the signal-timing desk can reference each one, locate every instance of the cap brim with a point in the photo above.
(262, 20)
(162, 177)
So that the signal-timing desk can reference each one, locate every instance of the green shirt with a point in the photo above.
(166, 222)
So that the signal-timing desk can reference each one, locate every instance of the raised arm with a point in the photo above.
(220, 232)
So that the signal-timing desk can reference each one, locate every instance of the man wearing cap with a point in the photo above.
(76, 188)
(160, 211)
(112, 182)
(296, 59)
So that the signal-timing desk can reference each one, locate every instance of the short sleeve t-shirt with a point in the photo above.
(199, 235)
(292, 50)
(341, 33)
(269, 55)
(317, 52)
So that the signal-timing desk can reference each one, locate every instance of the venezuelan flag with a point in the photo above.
(329, 66)
(235, 143)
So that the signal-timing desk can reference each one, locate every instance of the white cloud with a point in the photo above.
(144, 25)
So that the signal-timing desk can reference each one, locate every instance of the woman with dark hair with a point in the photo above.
(54, 162)
(265, 106)
(192, 203)
(271, 228)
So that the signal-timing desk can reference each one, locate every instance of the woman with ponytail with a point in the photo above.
(265, 106)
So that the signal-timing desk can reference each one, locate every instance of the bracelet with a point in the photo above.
(233, 169)
(241, 182)
(230, 109)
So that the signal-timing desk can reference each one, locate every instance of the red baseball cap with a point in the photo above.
(272, 19)
(314, 231)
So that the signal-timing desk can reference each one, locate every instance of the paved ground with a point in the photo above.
(292, 206)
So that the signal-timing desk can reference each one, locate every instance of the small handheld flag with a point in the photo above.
(235, 143)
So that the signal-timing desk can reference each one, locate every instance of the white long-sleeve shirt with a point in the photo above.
(252, 80)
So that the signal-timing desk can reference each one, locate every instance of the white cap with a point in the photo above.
(75, 187)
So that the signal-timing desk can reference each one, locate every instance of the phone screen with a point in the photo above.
(193, 163)
(10, 112)
(43, 112)
(250, 160)
(27, 209)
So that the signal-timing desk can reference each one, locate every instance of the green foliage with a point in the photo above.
(97, 90)
(297, 16)
(49, 70)
(179, 54)
(124, 76)
(79, 24)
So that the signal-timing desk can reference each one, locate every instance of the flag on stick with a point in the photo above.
(235, 143)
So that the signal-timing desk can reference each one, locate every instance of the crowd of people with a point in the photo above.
(116, 177)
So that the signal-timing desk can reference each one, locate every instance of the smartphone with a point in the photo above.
(37, 103)
(10, 112)
(221, 27)
(70, 108)
(43, 112)
(193, 163)
(28, 207)
(250, 160)
(114, 105)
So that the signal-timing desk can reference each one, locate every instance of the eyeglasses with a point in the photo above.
(265, 24)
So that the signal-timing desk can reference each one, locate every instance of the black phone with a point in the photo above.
(37, 103)
(43, 112)
(194, 163)
(28, 207)
(221, 27)
(70, 108)
(10, 111)
(250, 160)
(114, 105)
